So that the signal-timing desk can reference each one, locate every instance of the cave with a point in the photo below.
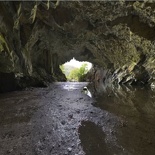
(37, 38)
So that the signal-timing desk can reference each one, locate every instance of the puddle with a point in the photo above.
(92, 139)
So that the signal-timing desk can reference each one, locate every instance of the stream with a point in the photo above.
(71, 118)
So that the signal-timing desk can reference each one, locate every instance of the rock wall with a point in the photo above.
(118, 37)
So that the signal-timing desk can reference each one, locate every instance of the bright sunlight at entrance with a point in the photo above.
(75, 70)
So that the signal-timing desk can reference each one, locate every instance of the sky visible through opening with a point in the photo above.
(75, 70)
(75, 63)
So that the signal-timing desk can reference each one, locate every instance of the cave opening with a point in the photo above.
(76, 71)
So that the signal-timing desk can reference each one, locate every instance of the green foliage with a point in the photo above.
(82, 72)
(76, 74)
(83, 69)
(62, 68)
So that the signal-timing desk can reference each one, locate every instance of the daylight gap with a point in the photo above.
(75, 70)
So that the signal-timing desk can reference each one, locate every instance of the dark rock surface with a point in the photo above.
(36, 37)
(7, 82)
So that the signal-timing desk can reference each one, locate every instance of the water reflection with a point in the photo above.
(130, 102)
(70, 86)
(136, 108)
(93, 139)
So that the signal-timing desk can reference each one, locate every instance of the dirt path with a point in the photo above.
(58, 120)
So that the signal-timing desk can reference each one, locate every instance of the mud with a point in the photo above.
(63, 120)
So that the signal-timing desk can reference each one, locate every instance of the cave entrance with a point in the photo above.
(76, 71)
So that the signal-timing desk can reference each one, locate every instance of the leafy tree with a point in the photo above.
(77, 74)
(82, 72)
(83, 69)
(73, 76)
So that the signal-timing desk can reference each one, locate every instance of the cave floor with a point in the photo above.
(62, 120)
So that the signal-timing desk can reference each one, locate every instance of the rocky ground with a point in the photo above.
(61, 120)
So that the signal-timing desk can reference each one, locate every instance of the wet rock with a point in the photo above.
(123, 124)
(69, 149)
(99, 133)
(9, 151)
(23, 51)
(70, 116)
(73, 145)
(63, 122)
(78, 111)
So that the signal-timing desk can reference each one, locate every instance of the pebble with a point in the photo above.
(9, 151)
(70, 115)
(78, 111)
(69, 149)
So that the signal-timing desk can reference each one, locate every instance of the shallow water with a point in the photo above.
(135, 107)
(92, 138)
(63, 119)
